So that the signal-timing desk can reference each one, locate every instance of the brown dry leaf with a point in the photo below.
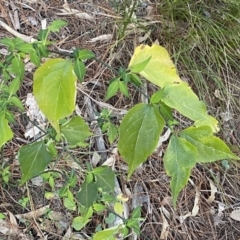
(165, 225)
(70, 11)
(195, 209)
(235, 214)
(103, 38)
(33, 214)
(213, 191)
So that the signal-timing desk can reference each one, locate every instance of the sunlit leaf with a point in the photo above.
(140, 66)
(138, 134)
(179, 159)
(180, 97)
(33, 159)
(76, 131)
(160, 69)
(209, 148)
(54, 89)
(6, 133)
(107, 234)
(79, 223)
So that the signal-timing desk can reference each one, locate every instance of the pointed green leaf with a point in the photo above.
(138, 134)
(75, 130)
(107, 234)
(79, 223)
(33, 160)
(16, 102)
(118, 208)
(18, 67)
(112, 132)
(179, 159)
(85, 54)
(35, 57)
(24, 47)
(140, 66)
(87, 194)
(209, 148)
(160, 69)
(105, 178)
(56, 25)
(54, 89)
(123, 88)
(14, 86)
(181, 97)
(112, 89)
(135, 79)
(8, 42)
(6, 133)
(80, 70)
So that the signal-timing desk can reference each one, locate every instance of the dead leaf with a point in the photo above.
(213, 191)
(165, 225)
(71, 11)
(235, 215)
(33, 214)
(103, 38)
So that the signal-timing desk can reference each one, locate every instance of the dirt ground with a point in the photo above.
(205, 207)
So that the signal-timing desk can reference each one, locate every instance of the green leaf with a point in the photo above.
(138, 134)
(209, 148)
(76, 131)
(85, 54)
(51, 146)
(54, 88)
(98, 207)
(105, 178)
(118, 208)
(107, 234)
(135, 79)
(42, 35)
(79, 70)
(156, 97)
(14, 86)
(112, 89)
(33, 160)
(179, 159)
(79, 223)
(5, 130)
(8, 42)
(160, 69)
(87, 194)
(24, 47)
(18, 67)
(136, 213)
(16, 102)
(35, 57)
(112, 132)
(69, 202)
(110, 219)
(166, 112)
(181, 97)
(56, 25)
(123, 88)
(140, 66)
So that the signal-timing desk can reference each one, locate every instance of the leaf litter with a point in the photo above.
(160, 221)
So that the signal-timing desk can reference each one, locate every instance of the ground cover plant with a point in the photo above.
(90, 192)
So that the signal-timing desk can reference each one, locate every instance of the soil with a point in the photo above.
(205, 205)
